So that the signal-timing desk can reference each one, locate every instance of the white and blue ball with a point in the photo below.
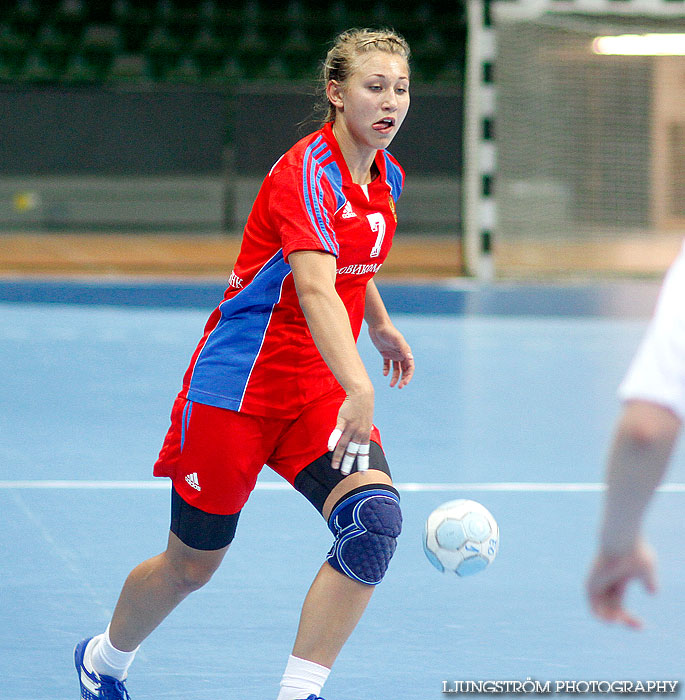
(461, 537)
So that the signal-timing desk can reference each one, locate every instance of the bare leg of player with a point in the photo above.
(155, 587)
(331, 611)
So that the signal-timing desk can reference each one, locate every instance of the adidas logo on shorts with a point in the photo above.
(192, 481)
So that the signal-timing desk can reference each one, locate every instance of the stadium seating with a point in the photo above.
(209, 42)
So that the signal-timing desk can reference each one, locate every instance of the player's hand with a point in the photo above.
(395, 352)
(609, 577)
(350, 439)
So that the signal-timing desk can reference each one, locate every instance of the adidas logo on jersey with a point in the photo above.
(348, 212)
(192, 481)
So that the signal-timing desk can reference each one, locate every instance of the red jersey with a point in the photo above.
(257, 354)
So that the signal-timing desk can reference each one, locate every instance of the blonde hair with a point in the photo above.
(350, 44)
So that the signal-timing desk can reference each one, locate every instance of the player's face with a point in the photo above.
(374, 100)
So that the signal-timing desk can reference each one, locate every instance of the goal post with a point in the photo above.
(574, 136)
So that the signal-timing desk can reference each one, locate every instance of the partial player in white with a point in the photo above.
(645, 436)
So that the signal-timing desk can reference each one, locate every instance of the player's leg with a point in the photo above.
(196, 547)
(331, 611)
(356, 563)
(336, 600)
(155, 587)
(213, 457)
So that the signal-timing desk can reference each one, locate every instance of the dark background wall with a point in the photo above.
(100, 131)
(190, 158)
(159, 132)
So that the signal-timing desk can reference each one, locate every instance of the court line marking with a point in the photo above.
(410, 486)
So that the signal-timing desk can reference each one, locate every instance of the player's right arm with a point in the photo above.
(328, 321)
(643, 443)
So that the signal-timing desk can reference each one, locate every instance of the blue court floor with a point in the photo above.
(514, 410)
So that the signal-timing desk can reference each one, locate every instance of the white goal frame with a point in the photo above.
(479, 204)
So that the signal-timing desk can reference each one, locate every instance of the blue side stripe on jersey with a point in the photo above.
(223, 367)
(312, 196)
(318, 213)
(307, 164)
(321, 211)
(313, 193)
(332, 173)
(393, 177)
(335, 178)
(318, 147)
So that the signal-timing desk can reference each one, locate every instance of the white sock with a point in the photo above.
(301, 678)
(107, 660)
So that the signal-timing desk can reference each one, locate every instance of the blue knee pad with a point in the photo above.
(366, 525)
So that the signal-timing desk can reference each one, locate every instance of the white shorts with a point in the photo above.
(657, 372)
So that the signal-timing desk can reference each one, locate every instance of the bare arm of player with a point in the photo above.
(314, 274)
(389, 342)
(644, 440)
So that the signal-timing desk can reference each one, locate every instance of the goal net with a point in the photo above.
(590, 137)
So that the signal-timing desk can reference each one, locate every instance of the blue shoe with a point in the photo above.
(94, 686)
(313, 697)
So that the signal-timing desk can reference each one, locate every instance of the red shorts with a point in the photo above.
(214, 455)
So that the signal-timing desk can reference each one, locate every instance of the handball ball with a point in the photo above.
(461, 537)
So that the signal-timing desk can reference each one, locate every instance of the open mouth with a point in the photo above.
(384, 124)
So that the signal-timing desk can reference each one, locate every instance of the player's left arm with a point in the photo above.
(389, 342)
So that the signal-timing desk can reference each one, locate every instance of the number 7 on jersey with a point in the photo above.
(377, 223)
